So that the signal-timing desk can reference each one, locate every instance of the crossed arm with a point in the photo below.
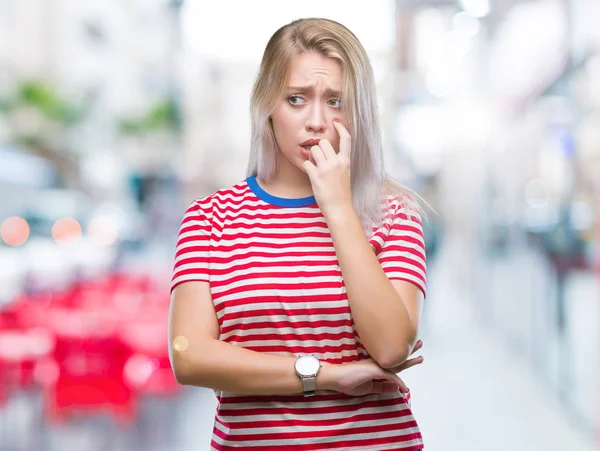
(387, 314)
(199, 358)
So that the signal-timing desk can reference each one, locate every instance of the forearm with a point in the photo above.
(383, 321)
(221, 366)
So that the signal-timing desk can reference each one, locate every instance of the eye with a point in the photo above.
(295, 100)
(336, 103)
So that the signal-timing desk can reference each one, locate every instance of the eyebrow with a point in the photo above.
(311, 89)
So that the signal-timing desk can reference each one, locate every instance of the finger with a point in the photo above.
(309, 168)
(317, 154)
(402, 386)
(408, 364)
(384, 387)
(418, 345)
(327, 148)
(345, 139)
(399, 382)
(393, 377)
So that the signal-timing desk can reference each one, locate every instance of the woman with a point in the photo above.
(297, 293)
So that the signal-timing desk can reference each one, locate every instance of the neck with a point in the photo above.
(287, 182)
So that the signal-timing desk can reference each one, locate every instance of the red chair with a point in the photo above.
(23, 343)
(3, 372)
(148, 370)
(91, 360)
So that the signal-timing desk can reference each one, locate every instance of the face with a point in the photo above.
(309, 105)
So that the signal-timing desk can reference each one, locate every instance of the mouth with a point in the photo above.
(305, 151)
(306, 145)
(310, 142)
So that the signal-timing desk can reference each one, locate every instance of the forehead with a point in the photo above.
(310, 68)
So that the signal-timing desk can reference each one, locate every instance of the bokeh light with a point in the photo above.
(66, 231)
(180, 344)
(103, 231)
(14, 231)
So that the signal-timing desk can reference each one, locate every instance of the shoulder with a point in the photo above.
(206, 204)
(402, 206)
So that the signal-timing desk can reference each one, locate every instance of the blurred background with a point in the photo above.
(115, 114)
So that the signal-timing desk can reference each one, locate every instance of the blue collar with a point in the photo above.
(278, 201)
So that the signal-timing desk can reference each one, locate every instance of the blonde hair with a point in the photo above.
(370, 183)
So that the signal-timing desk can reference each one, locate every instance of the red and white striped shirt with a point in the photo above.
(277, 288)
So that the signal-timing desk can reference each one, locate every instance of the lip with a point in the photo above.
(311, 142)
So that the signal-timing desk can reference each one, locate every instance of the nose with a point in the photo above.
(315, 121)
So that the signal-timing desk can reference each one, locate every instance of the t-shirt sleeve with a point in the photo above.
(192, 254)
(402, 252)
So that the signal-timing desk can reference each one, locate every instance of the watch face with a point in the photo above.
(307, 365)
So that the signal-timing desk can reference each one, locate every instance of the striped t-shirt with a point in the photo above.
(277, 288)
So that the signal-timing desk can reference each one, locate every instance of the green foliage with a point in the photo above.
(44, 98)
(163, 115)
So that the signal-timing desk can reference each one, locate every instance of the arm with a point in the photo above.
(199, 358)
(387, 314)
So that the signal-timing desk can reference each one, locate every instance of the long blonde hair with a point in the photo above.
(369, 181)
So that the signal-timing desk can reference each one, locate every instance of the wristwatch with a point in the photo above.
(307, 367)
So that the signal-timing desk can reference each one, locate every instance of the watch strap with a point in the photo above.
(309, 385)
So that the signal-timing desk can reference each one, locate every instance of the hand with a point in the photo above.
(366, 376)
(363, 378)
(330, 173)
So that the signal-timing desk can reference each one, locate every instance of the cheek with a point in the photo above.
(287, 132)
(279, 131)
(282, 126)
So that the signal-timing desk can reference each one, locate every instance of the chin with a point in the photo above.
(293, 161)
